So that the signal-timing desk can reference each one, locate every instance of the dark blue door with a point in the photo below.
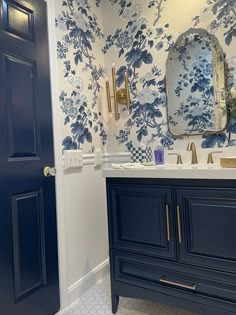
(207, 227)
(28, 238)
(141, 218)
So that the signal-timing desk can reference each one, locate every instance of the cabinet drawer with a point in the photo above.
(163, 276)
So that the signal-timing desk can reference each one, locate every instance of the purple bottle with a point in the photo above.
(159, 155)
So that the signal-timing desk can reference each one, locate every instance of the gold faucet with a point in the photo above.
(191, 147)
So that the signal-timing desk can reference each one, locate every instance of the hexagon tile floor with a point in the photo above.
(96, 301)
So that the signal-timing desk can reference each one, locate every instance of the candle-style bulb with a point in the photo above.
(127, 90)
(114, 92)
(108, 96)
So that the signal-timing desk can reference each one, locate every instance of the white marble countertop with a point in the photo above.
(170, 169)
(173, 172)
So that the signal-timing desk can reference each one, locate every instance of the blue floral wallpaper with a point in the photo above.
(136, 35)
(79, 32)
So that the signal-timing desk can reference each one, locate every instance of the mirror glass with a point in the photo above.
(195, 84)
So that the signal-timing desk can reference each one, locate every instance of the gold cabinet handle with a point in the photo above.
(179, 224)
(168, 222)
(177, 284)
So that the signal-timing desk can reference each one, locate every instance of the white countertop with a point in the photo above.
(162, 172)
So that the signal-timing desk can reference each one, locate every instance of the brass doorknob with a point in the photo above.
(49, 171)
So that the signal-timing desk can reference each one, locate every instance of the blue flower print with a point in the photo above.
(81, 30)
(61, 50)
(224, 12)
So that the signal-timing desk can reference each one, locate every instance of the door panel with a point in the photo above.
(18, 19)
(20, 99)
(28, 233)
(28, 243)
(208, 225)
(140, 221)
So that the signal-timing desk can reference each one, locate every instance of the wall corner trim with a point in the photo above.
(85, 283)
(51, 8)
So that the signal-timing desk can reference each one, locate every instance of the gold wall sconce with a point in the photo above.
(232, 93)
(120, 96)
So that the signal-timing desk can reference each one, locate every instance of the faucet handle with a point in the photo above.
(191, 147)
(210, 156)
(179, 158)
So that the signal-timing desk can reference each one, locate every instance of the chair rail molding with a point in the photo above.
(107, 158)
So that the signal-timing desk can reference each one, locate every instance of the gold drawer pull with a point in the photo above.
(168, 222)
(185, 286)
(179, 225)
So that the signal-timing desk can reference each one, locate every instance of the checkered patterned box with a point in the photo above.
(141, 155)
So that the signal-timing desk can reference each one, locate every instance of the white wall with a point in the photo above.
(81, 203)
(85, 229)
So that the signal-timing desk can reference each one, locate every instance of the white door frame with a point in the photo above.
(56, 113)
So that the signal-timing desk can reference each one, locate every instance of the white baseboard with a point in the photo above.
(84, 284)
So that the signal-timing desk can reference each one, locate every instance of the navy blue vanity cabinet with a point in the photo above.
(208, 227)
(141, 217)
(174, 242)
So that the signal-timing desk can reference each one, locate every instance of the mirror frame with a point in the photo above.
(227, 98)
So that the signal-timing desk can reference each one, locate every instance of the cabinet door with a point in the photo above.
(207, 226)
(140, 219)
